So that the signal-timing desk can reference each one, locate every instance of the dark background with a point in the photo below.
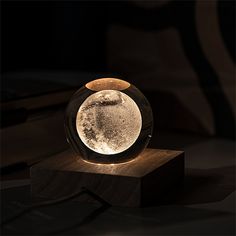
(73, 37)
(180, 54)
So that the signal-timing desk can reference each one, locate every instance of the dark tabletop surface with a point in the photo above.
(204, 206)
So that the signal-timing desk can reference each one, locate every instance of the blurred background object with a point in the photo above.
(181, 54)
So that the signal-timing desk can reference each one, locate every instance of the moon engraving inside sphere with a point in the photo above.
(108, 122)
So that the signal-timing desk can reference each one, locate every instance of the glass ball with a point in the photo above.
(108, 121)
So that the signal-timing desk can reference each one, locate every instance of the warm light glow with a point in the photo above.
(107, 83)
(108, 122)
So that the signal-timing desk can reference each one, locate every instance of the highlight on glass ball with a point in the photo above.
(108, 121)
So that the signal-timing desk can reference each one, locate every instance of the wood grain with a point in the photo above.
(135, 183)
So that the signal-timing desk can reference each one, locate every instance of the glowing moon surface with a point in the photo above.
(108, 122)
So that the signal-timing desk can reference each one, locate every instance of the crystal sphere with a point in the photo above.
(108, 121)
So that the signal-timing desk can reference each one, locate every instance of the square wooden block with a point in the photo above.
(140, 182)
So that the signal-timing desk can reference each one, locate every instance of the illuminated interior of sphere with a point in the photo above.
(108, 122)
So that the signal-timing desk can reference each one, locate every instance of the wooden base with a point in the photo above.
(141, 182)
